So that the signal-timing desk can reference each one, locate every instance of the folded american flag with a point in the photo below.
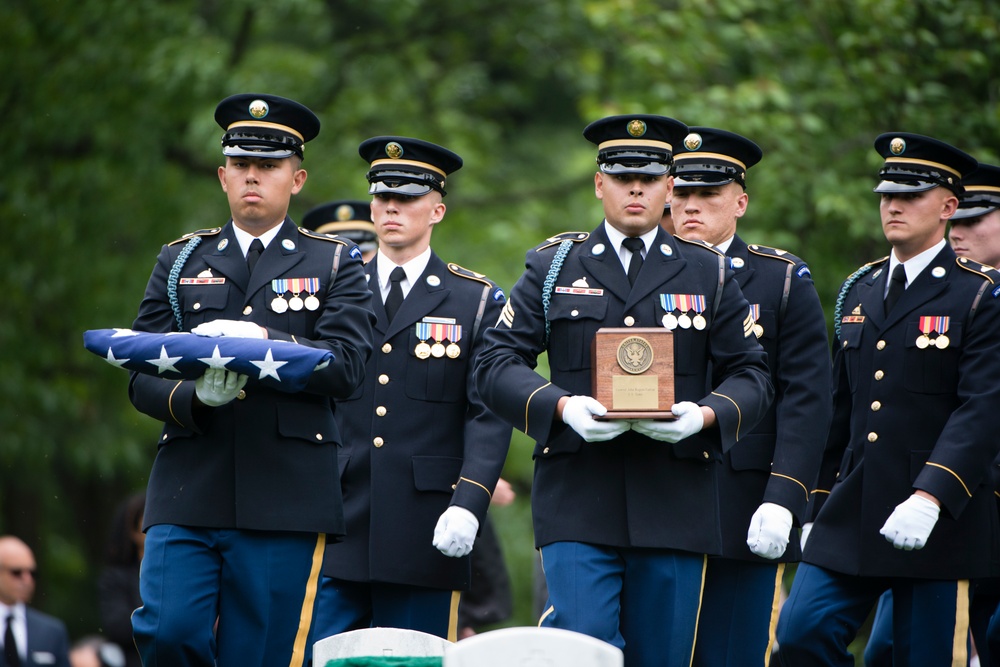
(278, 364)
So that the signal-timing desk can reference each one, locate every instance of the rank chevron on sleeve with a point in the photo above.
(278, 364)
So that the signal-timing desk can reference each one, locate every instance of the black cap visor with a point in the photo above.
(900, 179)
(406, 183)
(976, 206)
(247, 144)
(634, 161)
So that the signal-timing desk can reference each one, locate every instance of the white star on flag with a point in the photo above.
(115, 362)
(123, 332)
(216, 360)
(268, 366)
(164, 363)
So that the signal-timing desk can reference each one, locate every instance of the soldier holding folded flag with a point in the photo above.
(240, 501)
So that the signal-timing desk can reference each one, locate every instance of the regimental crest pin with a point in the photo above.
(258, 109)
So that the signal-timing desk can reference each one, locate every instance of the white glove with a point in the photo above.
(218, 386)
(769, 529)
(689, 421)
(579, 412)
(806, 529)
(911, 523)
(455, 532)
(231, 328)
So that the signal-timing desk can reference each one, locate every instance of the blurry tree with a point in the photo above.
(111, 150)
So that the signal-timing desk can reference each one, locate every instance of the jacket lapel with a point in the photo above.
(280, 256)
(424, 296)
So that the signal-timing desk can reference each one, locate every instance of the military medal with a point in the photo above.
(423, 350)
(684, 321)
(454, 334)
(278, 303)
(312, 286)
(758, 330)
(437, 334)
(943, 324)
(669, 304)
(699, 306)
(927, 325)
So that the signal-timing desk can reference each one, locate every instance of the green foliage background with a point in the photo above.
(111, 149)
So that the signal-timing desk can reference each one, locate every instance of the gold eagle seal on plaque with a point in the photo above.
(635, 355)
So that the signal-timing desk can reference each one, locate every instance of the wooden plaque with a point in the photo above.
(632, 372)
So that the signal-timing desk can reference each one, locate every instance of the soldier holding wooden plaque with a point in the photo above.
(626, 508)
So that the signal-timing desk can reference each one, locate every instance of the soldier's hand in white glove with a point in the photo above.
(455, 532)
(769, 529)
(230, 328)
(217, 386)
(806, 529)
(689, 421)
(578, 413)
(911, 523)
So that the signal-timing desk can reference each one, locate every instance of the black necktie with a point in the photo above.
(395, 298)
(635, 245)
(897, 283)
(10, 654)
(253, 254)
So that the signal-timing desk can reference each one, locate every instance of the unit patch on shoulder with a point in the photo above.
(576, 237)
(201, 232)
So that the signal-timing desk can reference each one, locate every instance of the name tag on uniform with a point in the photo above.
(202, 281)
(585, 291)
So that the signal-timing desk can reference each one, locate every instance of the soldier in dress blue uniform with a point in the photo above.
(765, 481)
(974, 233)
(624, 511)
(422, 454)
(350, 219)
(240, 503)
(904, 499)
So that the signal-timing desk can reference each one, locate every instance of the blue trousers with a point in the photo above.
(353, 605)
(739, 610)
(644, 601)
(825, 609)
(259, 586)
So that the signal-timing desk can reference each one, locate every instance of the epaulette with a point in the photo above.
(322, 237)
(576, 237)
(201, 232)
(774, 253)
(469, 274)
(703, 244)
(984, 270)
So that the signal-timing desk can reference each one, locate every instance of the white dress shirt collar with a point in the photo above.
(624, 254)
(413, 269)
(915, 265)
(246, 238)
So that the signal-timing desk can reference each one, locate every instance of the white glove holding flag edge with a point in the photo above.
(231, 328)
(217, 386)
(455, 532)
